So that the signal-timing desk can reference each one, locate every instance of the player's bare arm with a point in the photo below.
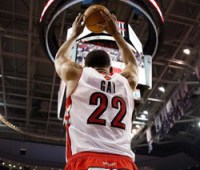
(65, 67)
(131, 68)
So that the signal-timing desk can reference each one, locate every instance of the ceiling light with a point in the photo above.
(132, 135)
(162, 89)
(199, 124)
(137, 126)
(134, 132)
(138, 123)
(186, 51)
(142, 117)
(145, 112)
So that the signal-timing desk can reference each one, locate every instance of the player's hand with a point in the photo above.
(78, 25)
(110, 25)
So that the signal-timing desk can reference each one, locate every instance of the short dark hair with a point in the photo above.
(97, 58)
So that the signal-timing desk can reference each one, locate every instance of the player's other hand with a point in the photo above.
(110, 25)
(78, 25)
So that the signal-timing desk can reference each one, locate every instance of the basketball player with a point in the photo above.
(99, 104)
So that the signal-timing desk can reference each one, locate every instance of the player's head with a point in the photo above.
(97, 58)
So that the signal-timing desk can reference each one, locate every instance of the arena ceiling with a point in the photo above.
(29, 85)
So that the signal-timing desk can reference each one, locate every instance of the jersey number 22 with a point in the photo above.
(116, 102)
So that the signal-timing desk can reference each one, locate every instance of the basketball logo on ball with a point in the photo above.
(92, 18)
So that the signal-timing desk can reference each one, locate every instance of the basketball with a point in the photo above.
(92, 17)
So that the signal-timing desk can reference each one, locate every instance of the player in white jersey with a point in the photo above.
(99, 104)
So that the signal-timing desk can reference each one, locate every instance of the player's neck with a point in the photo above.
(102, 70)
